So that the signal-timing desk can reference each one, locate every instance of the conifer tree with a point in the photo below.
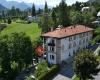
(63, 14)
(33, 10)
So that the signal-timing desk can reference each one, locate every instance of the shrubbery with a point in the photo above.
(44, 73)
(50, 73)
(9, 21)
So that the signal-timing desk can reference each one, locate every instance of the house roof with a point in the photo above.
(68, 31)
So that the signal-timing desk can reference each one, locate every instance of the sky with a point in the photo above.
(50, 2)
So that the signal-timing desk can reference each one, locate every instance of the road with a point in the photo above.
(23, 74)
(66, 72)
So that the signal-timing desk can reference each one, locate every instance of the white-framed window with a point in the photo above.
(52, 48)
(52, 57)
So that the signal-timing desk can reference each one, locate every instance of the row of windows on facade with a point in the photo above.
(73, 52)
(79, 36)
(81, 42)
(71, 45)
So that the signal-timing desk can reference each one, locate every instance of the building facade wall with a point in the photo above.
(67, 47)
(70, 45)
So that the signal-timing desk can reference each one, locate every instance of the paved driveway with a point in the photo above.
(66, 73)
(97, 77)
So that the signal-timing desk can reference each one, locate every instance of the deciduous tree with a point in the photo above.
(86, 65)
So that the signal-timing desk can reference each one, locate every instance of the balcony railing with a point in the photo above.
(51, 44)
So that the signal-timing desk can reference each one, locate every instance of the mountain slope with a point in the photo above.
(9, 4)
(94, 0)
(2, 7)
(37, 6)
(20, 5)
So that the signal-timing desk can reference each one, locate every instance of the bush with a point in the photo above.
(9, 21)
(41, 68)
(50, 73)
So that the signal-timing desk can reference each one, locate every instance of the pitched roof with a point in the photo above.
(69, 31)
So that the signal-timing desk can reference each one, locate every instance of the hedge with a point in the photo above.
(46, 76)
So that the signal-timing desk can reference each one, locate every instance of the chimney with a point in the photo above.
(59, 27)
(74, 26)
(65, 30)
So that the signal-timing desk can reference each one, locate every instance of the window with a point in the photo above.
(87, 33)
(51, 48)
(83, 41)
(70, 38)
(80, 42)
(52, 57)
(74, 45)
(74, 37)
(87, 40)
(83, 34)
(52, 41)
(80, 35)
(69, 46)
(69, 54)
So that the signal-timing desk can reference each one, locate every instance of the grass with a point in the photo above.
(31, 30)
(76, 78)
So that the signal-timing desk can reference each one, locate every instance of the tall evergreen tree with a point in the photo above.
(45, 19)
(33, 10)
(54, 19)
(63, 14)
(13, 11)
(46, 8)
(39, 11)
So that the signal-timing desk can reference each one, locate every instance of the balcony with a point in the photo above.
(51, 44)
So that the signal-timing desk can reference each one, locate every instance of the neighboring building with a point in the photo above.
(85, 9)
(98, 14)
(95, 48)
(88, 9)
(97, 21)
(63, 43)
(34, 18)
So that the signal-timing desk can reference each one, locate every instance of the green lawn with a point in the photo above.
(31, 30)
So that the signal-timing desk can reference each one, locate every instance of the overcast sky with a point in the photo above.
(50, 2)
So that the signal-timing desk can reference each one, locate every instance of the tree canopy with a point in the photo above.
(63, 14)
(16, 53)
(85, 65)
(33, 10)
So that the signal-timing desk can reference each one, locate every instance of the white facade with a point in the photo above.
(59, 50)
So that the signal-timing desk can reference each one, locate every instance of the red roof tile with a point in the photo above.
(69, 31)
